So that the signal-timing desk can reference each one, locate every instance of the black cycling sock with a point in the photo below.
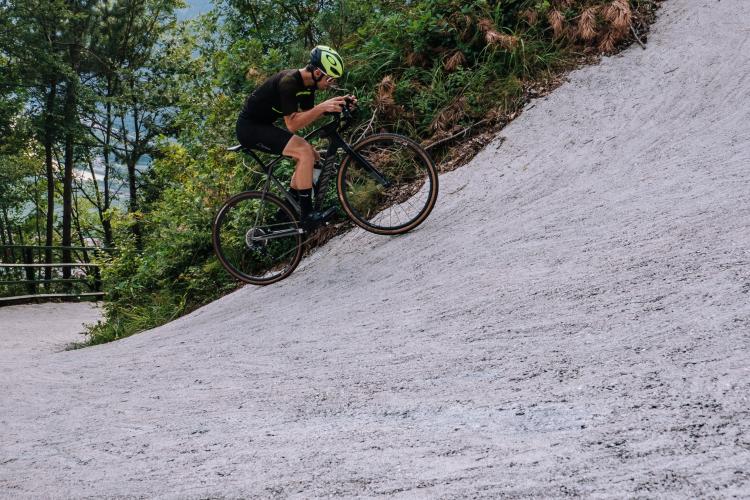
(305, 202)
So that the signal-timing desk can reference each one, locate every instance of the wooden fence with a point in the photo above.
(25, 276)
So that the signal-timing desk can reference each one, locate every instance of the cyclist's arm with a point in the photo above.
(302, 119)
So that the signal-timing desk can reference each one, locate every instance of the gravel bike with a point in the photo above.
(386, 183)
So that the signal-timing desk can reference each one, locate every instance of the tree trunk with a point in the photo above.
(133, 203)
(9, 232)
(11, 258)
(3, 242)
(131, 160)
(83, 244)
(48, 141)
(70, 131)
(106, 223)
(27, 254)
(107, 227)
(37, 215)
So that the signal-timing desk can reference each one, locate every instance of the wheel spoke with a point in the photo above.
(409, 171)
(239, 241)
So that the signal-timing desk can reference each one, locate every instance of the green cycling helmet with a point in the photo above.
(327, 60)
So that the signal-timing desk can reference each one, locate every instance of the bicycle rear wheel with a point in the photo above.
(404, 201)
(257, 238)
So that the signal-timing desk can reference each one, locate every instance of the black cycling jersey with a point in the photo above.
(282, 94)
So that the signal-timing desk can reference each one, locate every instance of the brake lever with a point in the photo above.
(339, 89)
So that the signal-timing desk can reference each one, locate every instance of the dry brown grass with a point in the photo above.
(494, 37)
(415, 59)
(464, 25)
(385, 104)
(608, 41)
(386, 88)
(556, 20)
(454, 61)
(508, 42)
(449, 116)
(587, 24)
(486, 25)
(619, 15)
(530, 16)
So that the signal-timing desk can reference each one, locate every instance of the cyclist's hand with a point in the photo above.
(351, 101)
(333, 105)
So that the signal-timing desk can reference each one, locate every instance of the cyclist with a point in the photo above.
(291, 94)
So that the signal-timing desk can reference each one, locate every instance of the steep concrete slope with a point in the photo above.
(573, 319)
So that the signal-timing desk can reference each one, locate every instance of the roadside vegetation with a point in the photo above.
(125, 81)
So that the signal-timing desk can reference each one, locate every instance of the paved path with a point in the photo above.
(34, 330)
(573, 319)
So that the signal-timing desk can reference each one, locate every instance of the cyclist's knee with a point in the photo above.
(308, 153)
(299, 149)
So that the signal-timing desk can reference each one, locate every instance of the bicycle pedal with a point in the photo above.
(328, 215)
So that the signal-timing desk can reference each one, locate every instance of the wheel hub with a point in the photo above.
(251, 238)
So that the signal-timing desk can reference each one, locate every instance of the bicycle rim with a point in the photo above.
(399, 207)
(256, 238)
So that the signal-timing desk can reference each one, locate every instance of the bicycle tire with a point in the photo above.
(413, 177)
(238, 242)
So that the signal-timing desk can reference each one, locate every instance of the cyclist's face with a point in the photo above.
(324, 82)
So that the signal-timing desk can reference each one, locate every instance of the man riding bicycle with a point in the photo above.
(291, 94)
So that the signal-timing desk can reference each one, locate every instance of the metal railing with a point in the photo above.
(25, 276)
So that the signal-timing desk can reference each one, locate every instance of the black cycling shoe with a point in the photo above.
(329, 214)
(312, 222)
(316, 219)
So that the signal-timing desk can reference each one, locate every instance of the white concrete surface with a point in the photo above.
(572, 320)
(32, 331)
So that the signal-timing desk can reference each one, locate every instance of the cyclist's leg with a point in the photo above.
(271, 139)
(262, 136)
(304, 154)
(302, 181)
(268, 138)
(301, 184)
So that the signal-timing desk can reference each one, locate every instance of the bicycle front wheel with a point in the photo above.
(397, 193)
(257, 238)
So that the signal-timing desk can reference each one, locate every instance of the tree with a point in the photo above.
(28, 42)
(134, 93)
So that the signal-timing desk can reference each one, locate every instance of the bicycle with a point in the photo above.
(257, 234)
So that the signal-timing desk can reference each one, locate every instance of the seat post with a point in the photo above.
(256, 158)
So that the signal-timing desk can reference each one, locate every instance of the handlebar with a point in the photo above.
(335, 125)
(346, 111)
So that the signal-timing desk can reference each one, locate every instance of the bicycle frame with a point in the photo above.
(329, 131)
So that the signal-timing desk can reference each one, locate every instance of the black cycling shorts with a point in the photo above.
(262, 136)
